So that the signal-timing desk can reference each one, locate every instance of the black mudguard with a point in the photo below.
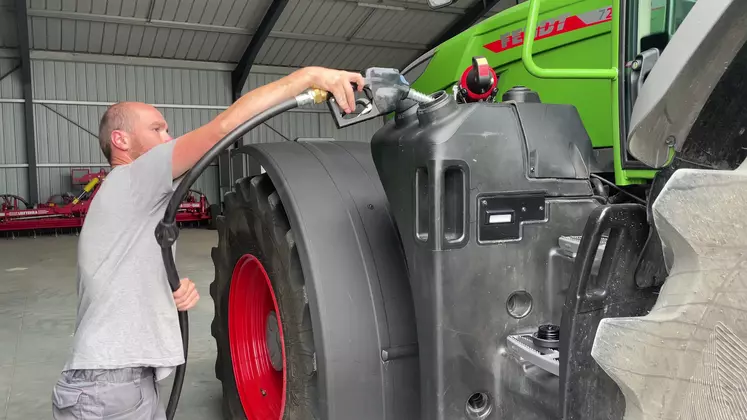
(356, 275)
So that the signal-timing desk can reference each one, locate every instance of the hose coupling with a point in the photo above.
(167, 234)
(312, 96)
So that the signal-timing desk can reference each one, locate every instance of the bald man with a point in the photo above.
(127, 333)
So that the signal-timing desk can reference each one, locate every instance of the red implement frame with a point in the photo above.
(71, 214)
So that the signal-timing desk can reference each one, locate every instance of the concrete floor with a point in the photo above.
(37, 317)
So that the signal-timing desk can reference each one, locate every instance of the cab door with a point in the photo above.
(646, 28)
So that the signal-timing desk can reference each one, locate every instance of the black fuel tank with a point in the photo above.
(481, 194)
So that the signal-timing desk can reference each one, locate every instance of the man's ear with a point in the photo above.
(120, 140)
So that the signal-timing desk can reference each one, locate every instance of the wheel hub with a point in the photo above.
(256, 341)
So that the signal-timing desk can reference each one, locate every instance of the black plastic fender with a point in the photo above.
(355, 271)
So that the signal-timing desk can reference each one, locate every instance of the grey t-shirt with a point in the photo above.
(126, 311)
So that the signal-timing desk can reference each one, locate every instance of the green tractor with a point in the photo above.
(548, 226)
(593, 55)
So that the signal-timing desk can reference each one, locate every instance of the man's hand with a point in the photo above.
(186, 296)
(338, 83)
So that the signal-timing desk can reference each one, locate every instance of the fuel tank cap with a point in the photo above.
(521, 94)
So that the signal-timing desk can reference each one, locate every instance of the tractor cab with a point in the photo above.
(577, 35)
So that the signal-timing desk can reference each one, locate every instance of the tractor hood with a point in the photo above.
(683, 78)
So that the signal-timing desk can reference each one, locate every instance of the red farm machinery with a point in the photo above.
(67, 211)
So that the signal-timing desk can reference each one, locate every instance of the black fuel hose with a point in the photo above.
(167, 230)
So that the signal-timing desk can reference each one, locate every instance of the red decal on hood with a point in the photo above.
(551, 27)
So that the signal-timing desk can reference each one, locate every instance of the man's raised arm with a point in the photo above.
(193, 145)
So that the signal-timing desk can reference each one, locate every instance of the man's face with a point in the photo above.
(149, 129)
(146, 129)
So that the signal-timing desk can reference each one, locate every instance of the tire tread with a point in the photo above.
(254, 221)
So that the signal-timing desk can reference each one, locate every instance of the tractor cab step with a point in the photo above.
(569, 246)
(523, 347)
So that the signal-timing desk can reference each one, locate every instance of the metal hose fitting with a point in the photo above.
(312, 96)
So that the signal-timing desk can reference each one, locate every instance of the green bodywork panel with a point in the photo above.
(571, 34)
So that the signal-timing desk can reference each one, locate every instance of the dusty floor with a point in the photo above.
(37, 317)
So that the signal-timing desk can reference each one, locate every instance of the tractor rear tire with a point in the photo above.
(214, 210)
(254, 227)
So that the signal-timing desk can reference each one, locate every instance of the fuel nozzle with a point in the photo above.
(386, 91)
(389, 87)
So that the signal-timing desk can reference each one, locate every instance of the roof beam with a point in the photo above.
(22, 22)
(222, 29)
(241, 72)
(400, 4)
(471, 15)
(408, 6)
(57, 14)
(150, 62)
(353, 41)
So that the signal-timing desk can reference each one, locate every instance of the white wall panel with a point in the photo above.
(311, 121)
(8, 28)
(12, 134)
(60, 80)
(12, 129)
(66, 134)
(359, 132)
(14, 181)
(284, 127)
(10, 85)
(66, 130)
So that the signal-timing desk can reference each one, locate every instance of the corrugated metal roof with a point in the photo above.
(350, 34)
(296, 53)
(76, 35)
(55, 80)
(501, 6)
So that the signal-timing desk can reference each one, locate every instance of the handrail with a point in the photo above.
(537, 71)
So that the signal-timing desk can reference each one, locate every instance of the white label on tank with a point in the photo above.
(500, 218)
(261, 169)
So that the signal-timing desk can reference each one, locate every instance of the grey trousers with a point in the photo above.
(130, 393)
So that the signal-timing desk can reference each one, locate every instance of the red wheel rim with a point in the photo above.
(251, 302)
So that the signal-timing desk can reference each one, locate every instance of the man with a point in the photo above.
(127, 334)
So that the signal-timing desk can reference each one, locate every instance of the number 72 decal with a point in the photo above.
(554, 26)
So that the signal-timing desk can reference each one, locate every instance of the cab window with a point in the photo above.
(661, 16)
(680, 9)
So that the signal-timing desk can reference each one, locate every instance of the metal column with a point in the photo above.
(229, 168)
(28, 108)
(241, 72)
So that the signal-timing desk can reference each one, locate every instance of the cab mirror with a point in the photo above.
(437, 4)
